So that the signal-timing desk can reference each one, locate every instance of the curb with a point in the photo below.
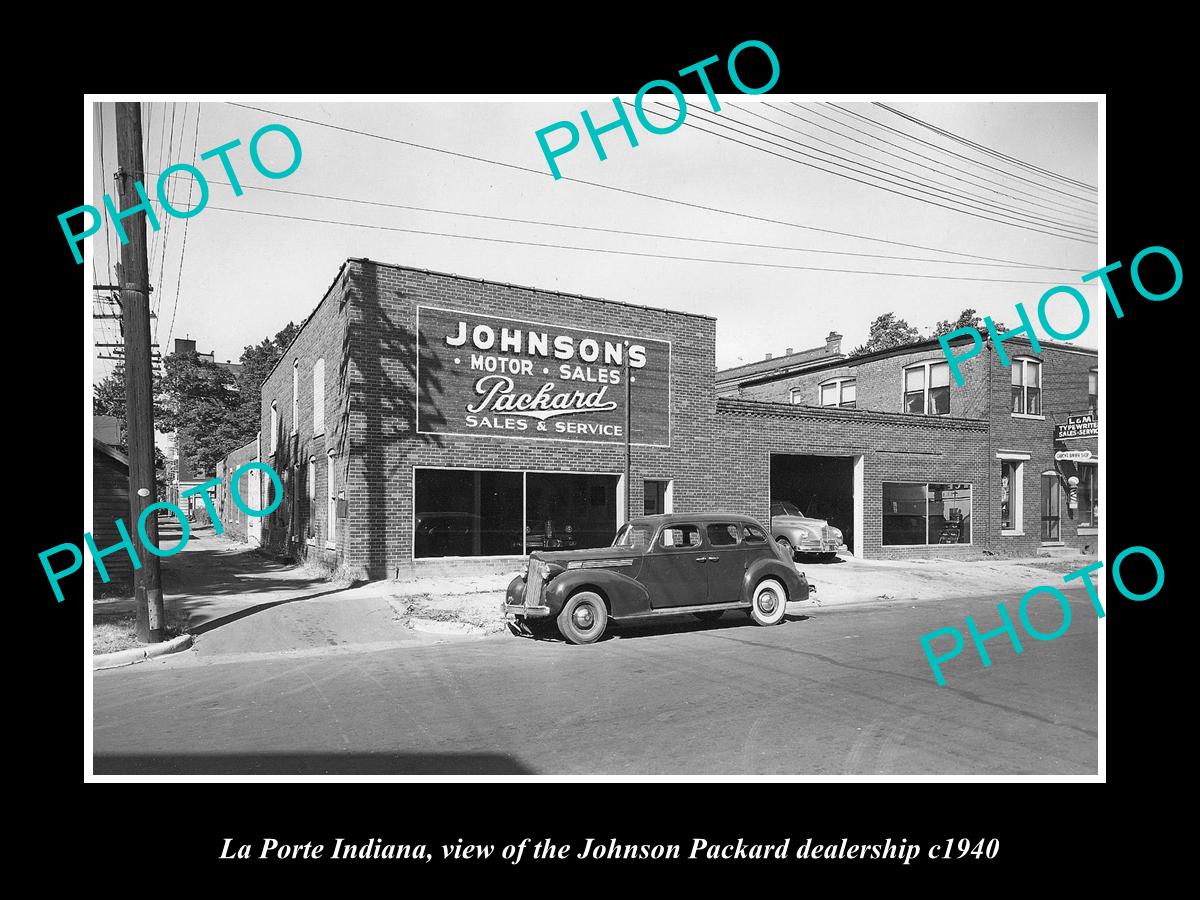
(137, 654)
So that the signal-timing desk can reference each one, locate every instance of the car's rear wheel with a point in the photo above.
(786, 546)
(769, 602)
(709, 615)
(583, 618)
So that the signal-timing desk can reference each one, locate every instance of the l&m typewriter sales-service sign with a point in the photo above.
(498, 377)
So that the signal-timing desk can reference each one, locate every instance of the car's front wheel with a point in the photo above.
(583, 618)
(786, 546)
(769, 602)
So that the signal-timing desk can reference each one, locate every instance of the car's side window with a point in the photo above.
(722, 535)
(752, 534)
(676, 537)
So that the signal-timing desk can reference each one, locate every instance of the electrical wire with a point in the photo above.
(1023, 227)
(1088, 215)
(1088, 209)
(734, 262)
(183, 249)
(995, 207)
(1012, 160)
(621, 231)
(974, 162)
(671, 200)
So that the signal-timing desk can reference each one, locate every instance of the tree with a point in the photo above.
(968, 318)
(201, 408)
(257, 361)
(108, 399)
(887, 331)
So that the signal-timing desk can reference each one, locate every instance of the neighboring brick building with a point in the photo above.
(239, 525)
(1024, 490)
(420, 420)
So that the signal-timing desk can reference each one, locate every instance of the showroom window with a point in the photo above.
(920, 514)
(482, 512)
(838, 392)
(1026, 387)
(927, 389)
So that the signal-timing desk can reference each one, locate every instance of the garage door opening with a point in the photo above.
(822, 487)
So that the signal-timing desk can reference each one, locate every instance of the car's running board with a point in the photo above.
(678, 610)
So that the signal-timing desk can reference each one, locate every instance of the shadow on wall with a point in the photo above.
(382, 411)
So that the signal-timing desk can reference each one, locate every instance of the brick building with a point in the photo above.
(1022, 494)
(421, 419)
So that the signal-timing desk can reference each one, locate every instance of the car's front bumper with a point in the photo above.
(529, 612)
(817, 546)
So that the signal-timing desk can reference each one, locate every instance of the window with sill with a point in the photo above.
(1093, 390)
(1089, 496)
(1026, 387)
(837, 392)
(1011, 496)
(927, 389)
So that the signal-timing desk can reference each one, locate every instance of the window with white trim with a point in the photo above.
(1089, 495)
(274, 426)
(1094, 390)
(318, 382)
(310, 530)
(1026, 387)
(837, 392)
(295, 395)
(1012, 496)
(927, 389)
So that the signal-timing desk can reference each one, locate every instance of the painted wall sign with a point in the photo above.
(1071, 455)
(489, 376)
(1075, 427)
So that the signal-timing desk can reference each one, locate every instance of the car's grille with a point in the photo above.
(535, 581)
(827, 534)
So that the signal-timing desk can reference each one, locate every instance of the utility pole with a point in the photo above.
(134, 280)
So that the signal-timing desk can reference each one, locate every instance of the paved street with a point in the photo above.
(829, 691)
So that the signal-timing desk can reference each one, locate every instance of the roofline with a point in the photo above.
(916, 346)
(300, 330)
(110, 451)
(524, 287)
(800, 411)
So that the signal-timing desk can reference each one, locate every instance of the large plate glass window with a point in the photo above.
(569, 511)
(916, 513)
(467, 512)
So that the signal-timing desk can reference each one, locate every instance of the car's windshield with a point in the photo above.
(784, 508)
(635, 537)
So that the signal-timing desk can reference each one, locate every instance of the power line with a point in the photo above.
(992, 206)
(103, 176)
(183, 249)
(988, 150)
(166, 228)
(966, 212)
(634, 193)
(733, 262)
(649, 234)
(974, 162)
(940, 168)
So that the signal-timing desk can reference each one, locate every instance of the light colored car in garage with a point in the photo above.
(795, 532)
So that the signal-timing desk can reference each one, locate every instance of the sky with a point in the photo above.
(239, 276)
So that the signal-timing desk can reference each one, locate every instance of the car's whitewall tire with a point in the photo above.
(769, 603)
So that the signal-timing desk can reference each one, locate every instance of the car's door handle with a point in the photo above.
(701, 559)
(713, 558)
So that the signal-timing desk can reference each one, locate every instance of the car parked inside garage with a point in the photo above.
(796, 533)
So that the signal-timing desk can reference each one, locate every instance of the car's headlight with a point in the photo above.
(837, 534)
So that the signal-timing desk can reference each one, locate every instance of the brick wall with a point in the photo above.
(381, 430)
(299, 527)
(1064, 392)
(895, 447)
(880, 384)
(232, 518)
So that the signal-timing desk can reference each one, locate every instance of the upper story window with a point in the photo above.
(1026, 387)
(1093, 390)
(927, 389)
(295, 395)
(837, 392)
(274, 426)
(319, 397)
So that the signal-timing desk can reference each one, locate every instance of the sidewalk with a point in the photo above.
(239, 603)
